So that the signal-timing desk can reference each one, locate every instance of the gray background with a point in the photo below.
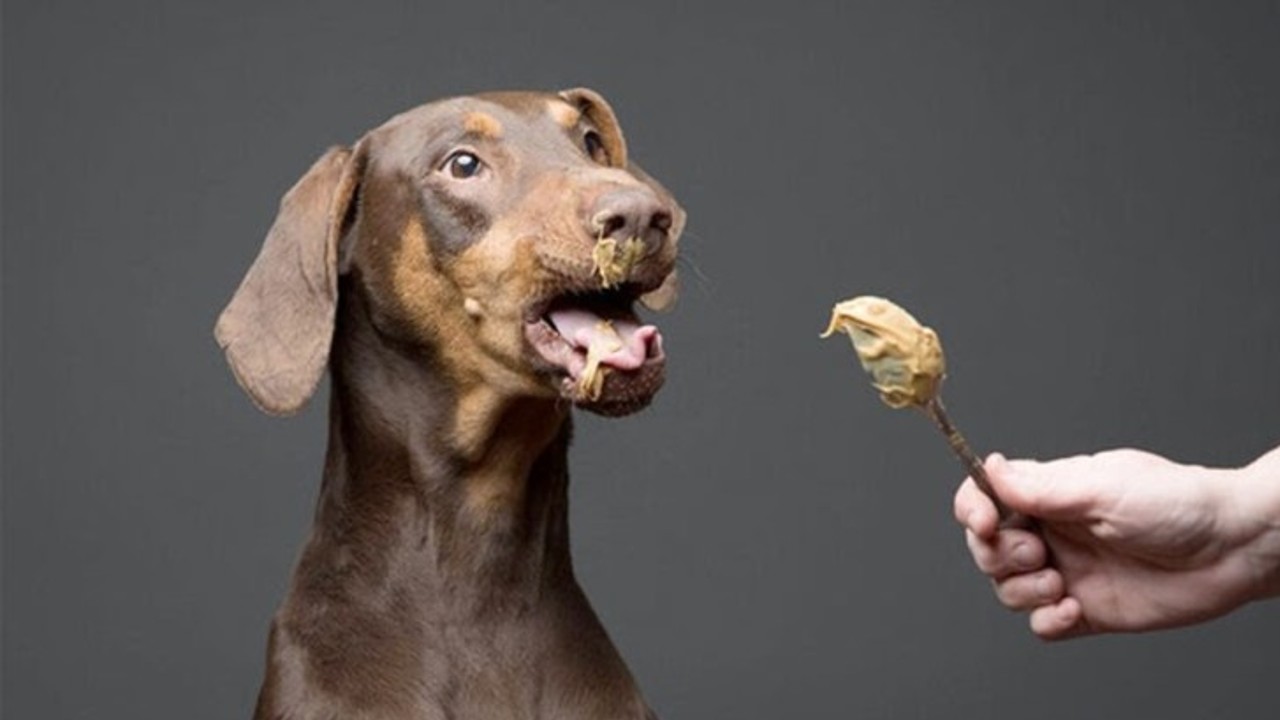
(1081, 197)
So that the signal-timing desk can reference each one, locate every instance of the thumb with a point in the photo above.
(1054, 490)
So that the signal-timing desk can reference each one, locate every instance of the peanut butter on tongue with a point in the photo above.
(904, 358)
(604, 342)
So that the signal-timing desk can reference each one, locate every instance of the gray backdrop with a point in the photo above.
(1081, 197)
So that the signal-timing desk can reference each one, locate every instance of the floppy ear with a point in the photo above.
(278, 326)
(597, 110)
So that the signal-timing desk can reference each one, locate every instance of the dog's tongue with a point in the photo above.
(582, 328)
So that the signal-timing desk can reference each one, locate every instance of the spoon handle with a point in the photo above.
(972, 463)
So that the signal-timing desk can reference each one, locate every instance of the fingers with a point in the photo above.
(974, 509)
(1030, 591)
(1016, 559)
(1014, 481)
(1064, 489)
(1010, 552)
(1060, 620)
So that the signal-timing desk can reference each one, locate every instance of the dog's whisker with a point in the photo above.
(703, 281)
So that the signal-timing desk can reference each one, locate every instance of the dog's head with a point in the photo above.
(472, 230)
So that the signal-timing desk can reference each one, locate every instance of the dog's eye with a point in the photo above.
(595, 147)
(463, 164)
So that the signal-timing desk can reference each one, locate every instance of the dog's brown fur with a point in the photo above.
(437, 581)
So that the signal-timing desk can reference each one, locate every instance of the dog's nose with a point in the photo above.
(628, 213)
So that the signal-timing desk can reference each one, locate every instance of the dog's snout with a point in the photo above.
(631, 213)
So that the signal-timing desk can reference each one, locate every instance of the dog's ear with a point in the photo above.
(597, 110)
(278, 326)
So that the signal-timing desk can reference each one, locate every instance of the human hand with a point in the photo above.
(1125, 540)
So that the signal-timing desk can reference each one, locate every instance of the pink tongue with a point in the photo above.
(580, 327)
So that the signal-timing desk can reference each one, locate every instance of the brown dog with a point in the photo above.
(442, 269)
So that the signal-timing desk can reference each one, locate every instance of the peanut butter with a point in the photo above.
(603, 343)
(904, 358)
(614, 260)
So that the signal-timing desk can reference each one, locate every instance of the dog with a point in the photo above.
(445, 271)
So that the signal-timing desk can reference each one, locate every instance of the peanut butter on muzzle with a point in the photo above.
(614, 260)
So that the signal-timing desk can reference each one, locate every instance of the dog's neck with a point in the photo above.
(439, 558)
(457, 493)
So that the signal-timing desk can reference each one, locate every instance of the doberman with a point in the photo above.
(444, 270)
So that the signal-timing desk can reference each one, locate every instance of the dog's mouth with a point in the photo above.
(604, 357)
